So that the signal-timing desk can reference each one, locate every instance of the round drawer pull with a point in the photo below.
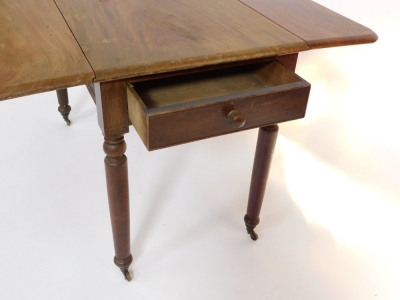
(236, 118)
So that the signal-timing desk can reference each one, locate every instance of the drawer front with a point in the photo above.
(171, 111)
(195, 123)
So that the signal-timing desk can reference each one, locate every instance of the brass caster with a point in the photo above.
(123, 265)
(126, 273)
(253, 234)
(64, 110)
(67, 121)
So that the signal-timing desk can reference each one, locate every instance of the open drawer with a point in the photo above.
(185, 108)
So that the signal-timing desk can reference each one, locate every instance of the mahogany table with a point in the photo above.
(177, 70)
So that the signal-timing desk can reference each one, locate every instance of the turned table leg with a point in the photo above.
(64, 108)
(112, 113)
(118, 199)
(262, 160)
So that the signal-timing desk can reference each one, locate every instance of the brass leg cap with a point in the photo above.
(123, 265)
(67, 121)
(253, 234)
(127, 275)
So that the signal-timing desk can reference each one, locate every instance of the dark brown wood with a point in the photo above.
(128, 38)
(289, 61)
(202, 69)
(118, 199)
(64, 108)
(113, 119)
(177, 110)
(262, 160)
(112, 108)
(209, 121)
(318, 26)
(62, 97)
(136, 38)
(38, 53)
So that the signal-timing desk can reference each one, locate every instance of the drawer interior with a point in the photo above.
(186, 88)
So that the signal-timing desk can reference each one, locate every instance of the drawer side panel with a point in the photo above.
(137, 115)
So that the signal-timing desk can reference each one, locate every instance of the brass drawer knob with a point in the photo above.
(236, 118)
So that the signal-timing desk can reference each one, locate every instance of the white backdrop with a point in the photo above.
(331, 216)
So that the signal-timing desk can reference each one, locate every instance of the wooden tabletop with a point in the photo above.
(51, 44)
(38, 52)
(318, 26)
(134, 37)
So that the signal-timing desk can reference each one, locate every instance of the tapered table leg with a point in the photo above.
(264, 151)
(64, 107)
(118, 199)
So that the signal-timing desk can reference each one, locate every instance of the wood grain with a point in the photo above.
(262, 160)
(315, 24)
(207, 121)
(112, 108)
(128, 38)
(289, 61)
(198, 86)
(164, 116)
(211, 84)
(38, 53)
(116, 166)
(137, 116)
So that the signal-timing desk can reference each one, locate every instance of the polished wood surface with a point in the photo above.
(111, 44)
(38, 52)
(229, 81)
(181, 109)
(289, 61)
(315, 24)
(262, 161)
(127, 38)
(113, 120)
(112, 107)
(64, 108)
(76, 42)
(118, 198)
